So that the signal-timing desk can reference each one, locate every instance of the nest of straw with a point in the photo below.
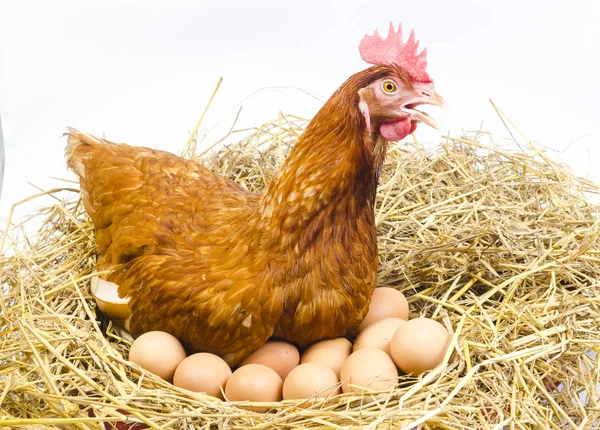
(502, 247)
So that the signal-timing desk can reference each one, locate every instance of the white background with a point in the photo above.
(141, 72)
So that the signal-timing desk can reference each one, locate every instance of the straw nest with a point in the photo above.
(502, 247)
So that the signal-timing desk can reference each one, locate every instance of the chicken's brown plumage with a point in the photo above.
(223, 269)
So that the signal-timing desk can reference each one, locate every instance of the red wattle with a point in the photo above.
(397, 130)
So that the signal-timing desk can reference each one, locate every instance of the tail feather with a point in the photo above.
(105, 169)
(115, 178)
(76, 142)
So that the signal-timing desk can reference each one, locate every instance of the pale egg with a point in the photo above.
(330, 353)
(203, 373)
(385, 303)
(255, 383)
(310, 380)
(158, 352)
(368, 369)
(419, 345)
(378, 335)
(278, 355)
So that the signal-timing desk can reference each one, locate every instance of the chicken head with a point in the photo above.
(388, 104)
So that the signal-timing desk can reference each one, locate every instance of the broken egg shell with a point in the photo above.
(107, 298)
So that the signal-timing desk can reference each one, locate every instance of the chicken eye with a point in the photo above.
(389, 87)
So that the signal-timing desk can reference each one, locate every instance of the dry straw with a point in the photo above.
(502, 247)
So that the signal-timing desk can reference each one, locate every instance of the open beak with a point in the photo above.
(410, 108)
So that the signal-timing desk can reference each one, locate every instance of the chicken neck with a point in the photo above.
(328, 180)
(317, 213)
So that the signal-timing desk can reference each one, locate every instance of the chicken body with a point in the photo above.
(179, 240)
(223, 269)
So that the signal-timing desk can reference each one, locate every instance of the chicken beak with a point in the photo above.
(434, 100)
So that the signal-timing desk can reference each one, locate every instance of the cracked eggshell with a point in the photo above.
(107, 298)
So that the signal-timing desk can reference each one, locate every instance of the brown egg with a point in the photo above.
(385, 303)
(256, 383)
(419, 345)
(378, 335)
(203, 373)
(331, 353)
(310, 380)
(276, 354)
(369, 369)
(157, 352)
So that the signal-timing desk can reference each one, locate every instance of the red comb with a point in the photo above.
(378, 51)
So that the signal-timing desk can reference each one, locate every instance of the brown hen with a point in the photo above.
(224, 269)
